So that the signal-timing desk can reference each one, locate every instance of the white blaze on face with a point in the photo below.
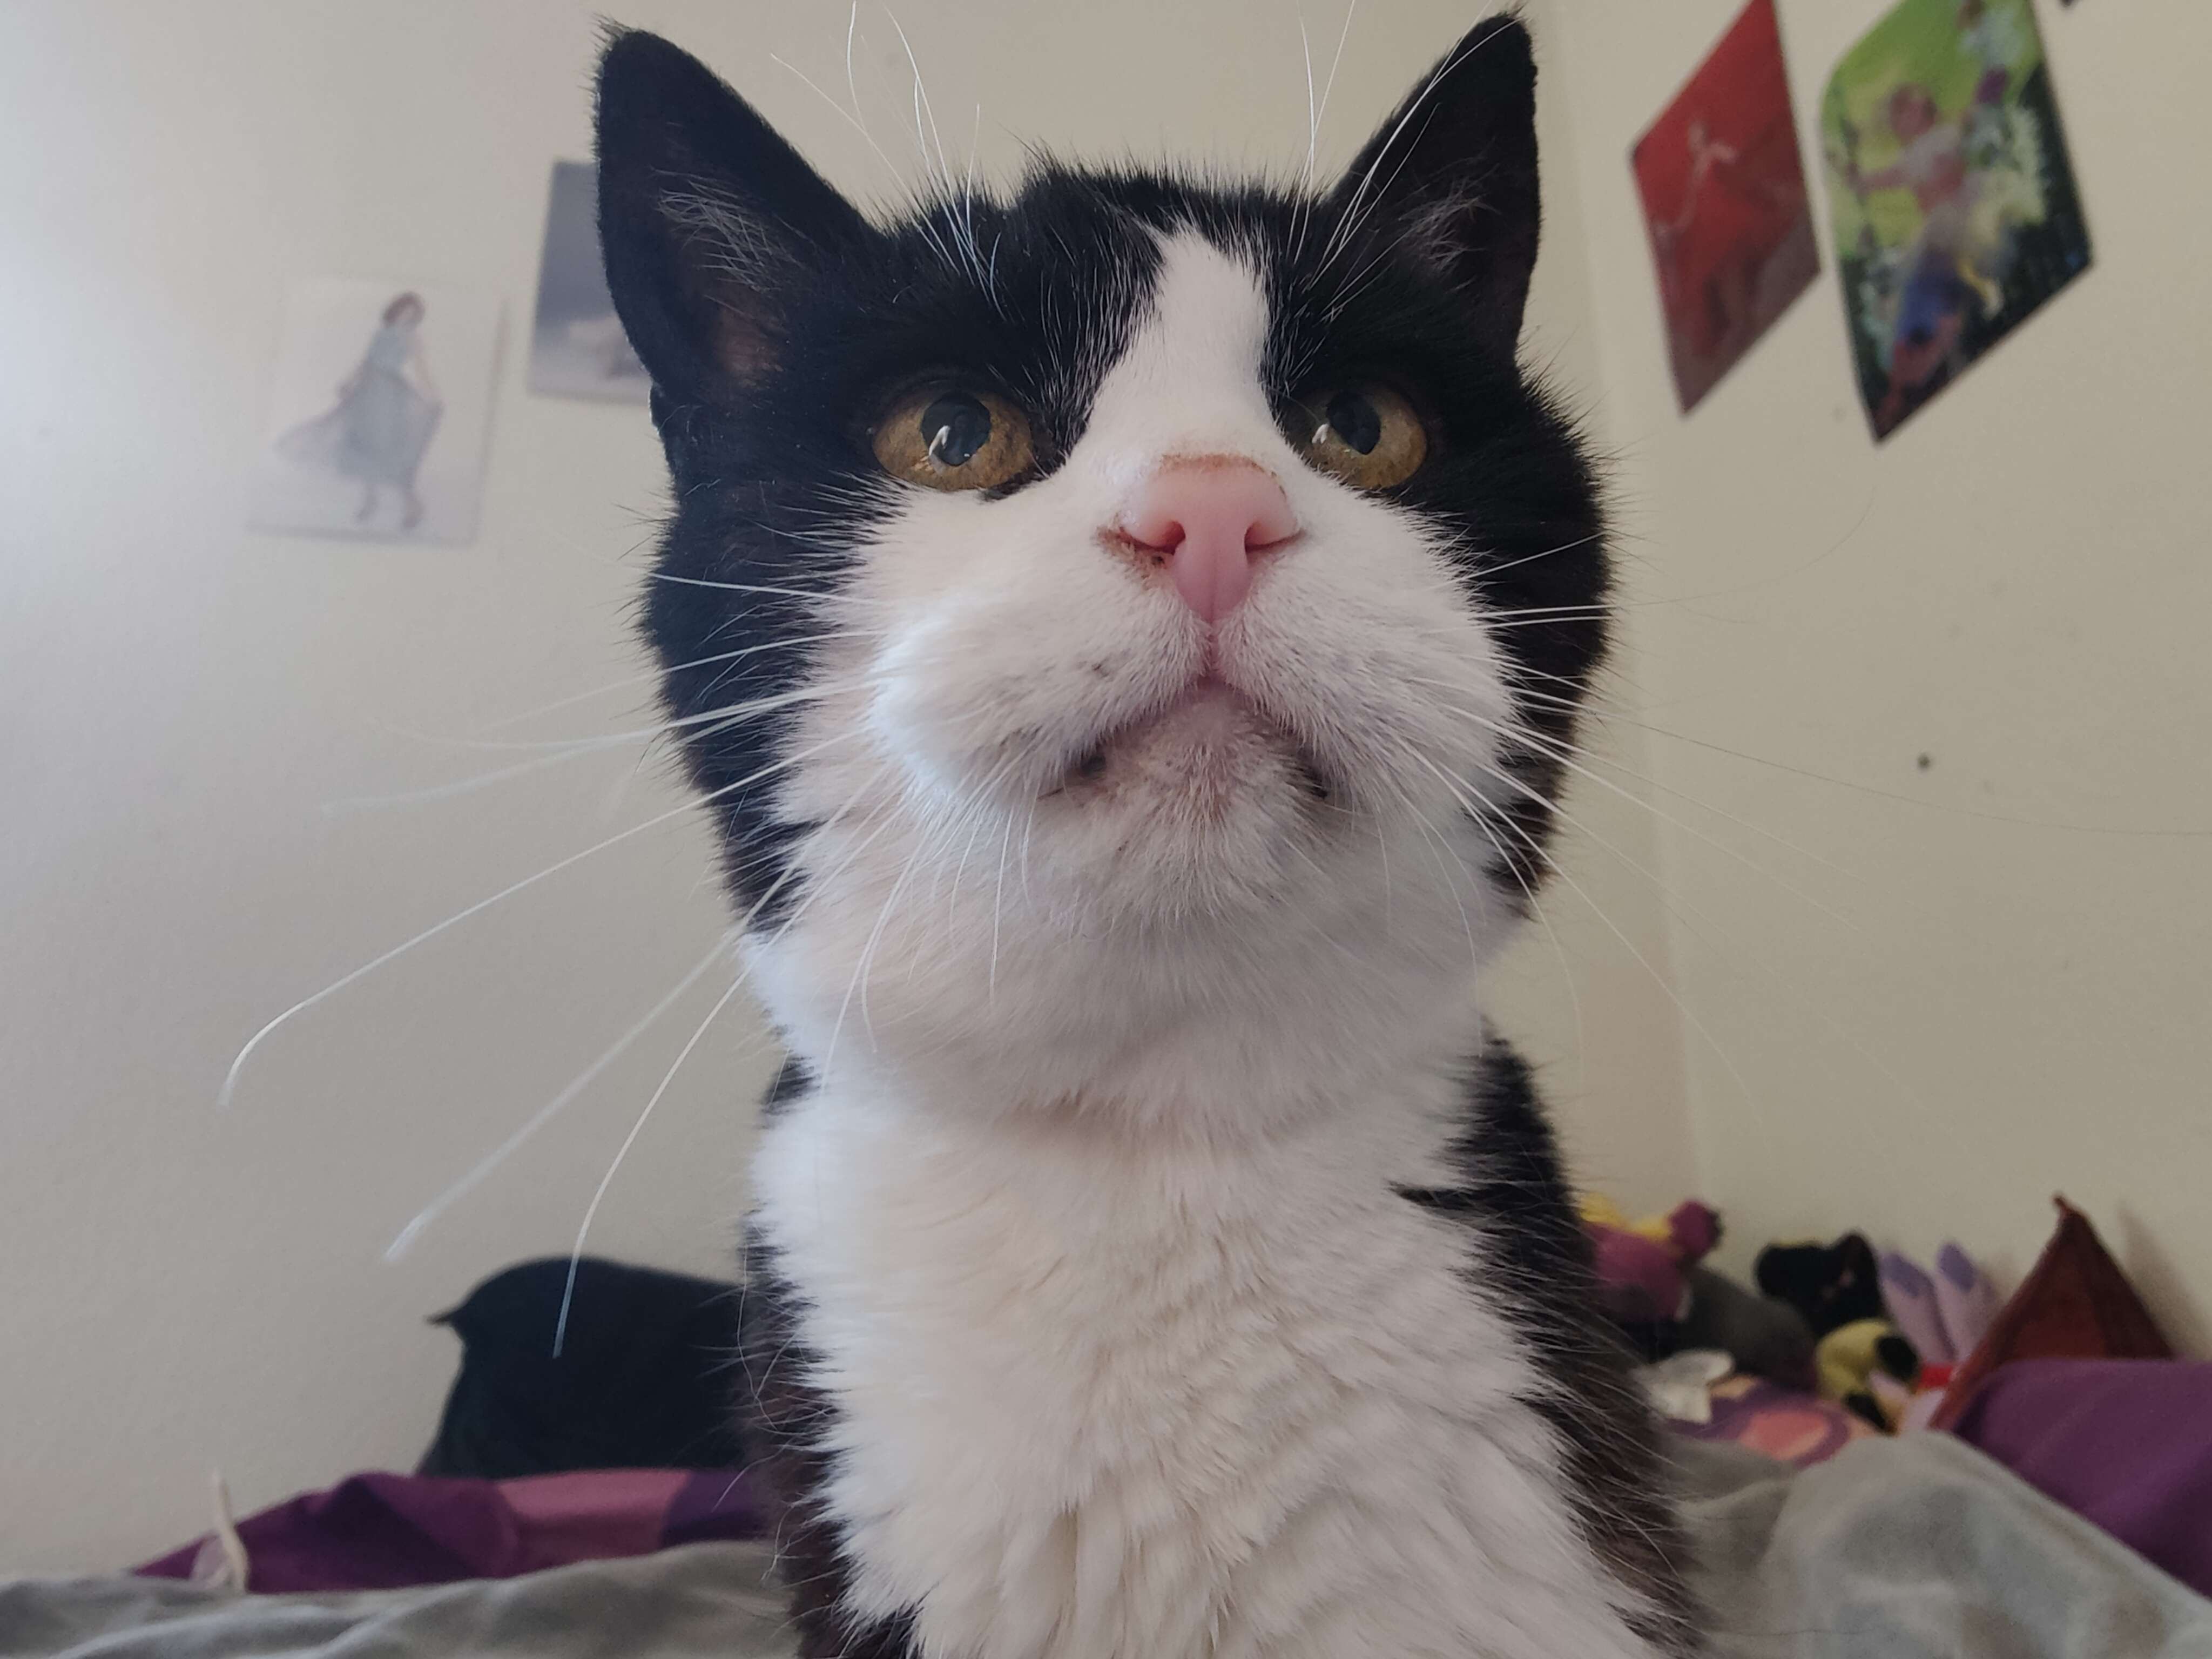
(1189, 383)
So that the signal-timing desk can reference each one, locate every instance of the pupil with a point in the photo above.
(954, 428)
(1353, 419)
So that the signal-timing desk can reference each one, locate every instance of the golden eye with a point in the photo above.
(1369, 436)
(952, 438)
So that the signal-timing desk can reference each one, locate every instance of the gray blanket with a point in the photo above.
(1895, 1550)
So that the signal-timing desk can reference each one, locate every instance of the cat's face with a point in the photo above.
(1128, 632)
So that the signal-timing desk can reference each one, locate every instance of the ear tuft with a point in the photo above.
(1450, 176)
(709, 222)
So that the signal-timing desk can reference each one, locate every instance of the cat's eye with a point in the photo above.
(1368, 435)
(952, 437)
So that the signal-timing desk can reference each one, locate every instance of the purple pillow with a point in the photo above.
(2125, 1443)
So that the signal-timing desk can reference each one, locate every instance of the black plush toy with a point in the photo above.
(1838, 1289)
(1831, 1284)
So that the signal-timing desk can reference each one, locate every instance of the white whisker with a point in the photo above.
(552, 1109)
(576, 1253)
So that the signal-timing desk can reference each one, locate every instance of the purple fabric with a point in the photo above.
(2125, 1443)
(1784, 1424)
(386, 1531)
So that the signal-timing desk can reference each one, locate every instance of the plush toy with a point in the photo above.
(1831, 1284)
(1868, 1368)
(1867, 1361)
(1663, 1300)
(1765, 1337)
(1643, 1267)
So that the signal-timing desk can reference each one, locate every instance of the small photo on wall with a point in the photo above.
(1954, 208)
(1725, 204)
(379, 411)
(577, 347)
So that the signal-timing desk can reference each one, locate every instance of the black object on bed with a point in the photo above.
(645, 1377)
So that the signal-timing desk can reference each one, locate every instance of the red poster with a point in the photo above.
(1725, 203)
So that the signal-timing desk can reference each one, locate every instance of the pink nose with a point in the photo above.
(1211, 517)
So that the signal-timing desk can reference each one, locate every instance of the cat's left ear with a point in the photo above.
(1450, 177)
(711, 224)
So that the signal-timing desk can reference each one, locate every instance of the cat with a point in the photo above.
(1128, 634)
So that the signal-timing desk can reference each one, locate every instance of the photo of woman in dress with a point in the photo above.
(386, 414)
(361, 439)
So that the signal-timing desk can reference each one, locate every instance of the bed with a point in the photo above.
(1899, 1548)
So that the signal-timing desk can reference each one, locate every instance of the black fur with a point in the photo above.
(1534, 1255)
(785, 1418)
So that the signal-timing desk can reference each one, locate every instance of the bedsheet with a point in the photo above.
(1914, 1548)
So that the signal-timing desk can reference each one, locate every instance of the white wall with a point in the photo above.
(181, 1288)
(1963, 1012)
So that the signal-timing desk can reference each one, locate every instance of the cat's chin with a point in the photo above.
(1199, 806)
(1200, 752)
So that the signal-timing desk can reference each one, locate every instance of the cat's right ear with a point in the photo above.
(709, 222)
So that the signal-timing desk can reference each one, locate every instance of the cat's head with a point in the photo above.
(1126, 632)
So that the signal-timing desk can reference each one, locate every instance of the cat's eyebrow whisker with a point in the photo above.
(852, 117)
(940, 170)
(1336, 59)
(1313, 114)
(1360, 209)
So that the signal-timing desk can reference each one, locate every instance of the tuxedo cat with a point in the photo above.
(1128, 634)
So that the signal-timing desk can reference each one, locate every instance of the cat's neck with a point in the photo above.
(1403, 1116)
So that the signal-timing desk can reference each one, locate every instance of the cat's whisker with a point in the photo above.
(1535, 909)
(1596, 708)
(997, 910)
(744, 923)
(1564, 754)
(1561, 756)
(1751, 1099)
(592, 1210)
(841, 600)
(552, 1109)
(1483, 572)
(1697, 922)
(655, 675)
(859, 981)
(237, 1067)
(1445, 862)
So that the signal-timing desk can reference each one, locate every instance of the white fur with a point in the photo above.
(1135, 1353)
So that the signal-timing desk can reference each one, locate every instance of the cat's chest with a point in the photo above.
(1138, 1408)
